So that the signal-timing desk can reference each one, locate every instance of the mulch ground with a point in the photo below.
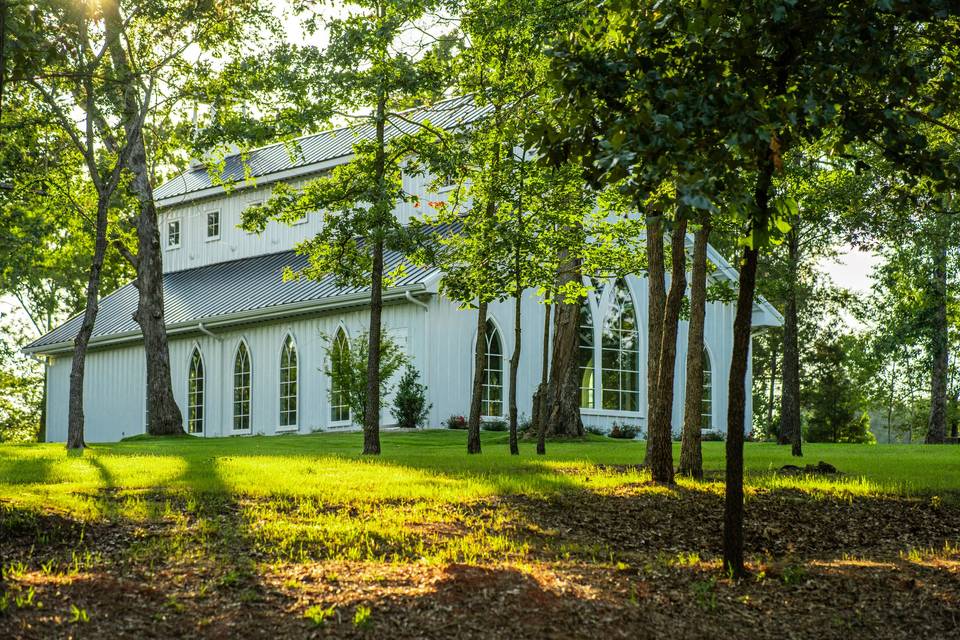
(630, 563)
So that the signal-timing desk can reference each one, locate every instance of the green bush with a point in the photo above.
(597, 431)
(346, 366)
(410, 406)
(712, 436)
(494, 425)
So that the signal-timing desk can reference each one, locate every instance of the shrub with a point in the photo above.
(624, 431)
(456, 422)
(494, 425)
(524, 424)
(597, 431)
(410, 406)
(346, 366)
(712, 436)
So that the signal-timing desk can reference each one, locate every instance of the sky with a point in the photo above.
(851, 269)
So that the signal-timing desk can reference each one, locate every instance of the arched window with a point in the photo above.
(620, 353)
(288, 383)
(587, 375)
(241, 388)
(706, 402)
(339, 368)
(492, 404)
(195, 393)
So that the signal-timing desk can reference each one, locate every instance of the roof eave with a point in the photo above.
(231, 319)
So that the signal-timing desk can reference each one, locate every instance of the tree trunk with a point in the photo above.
(660, 430)
(371, 415)
(772, 392)
(691, 457)
(656, 303)
(736, 410)
(164, 414)
(790, 432)
(479, 366)
(539, 398)
(561, 411)
(940, 348)
(75, 420)
(514, 369)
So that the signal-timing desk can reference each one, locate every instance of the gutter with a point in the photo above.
(242, 317)
(412, 300)
(203, 329)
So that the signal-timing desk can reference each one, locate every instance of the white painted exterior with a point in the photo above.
(438, 339)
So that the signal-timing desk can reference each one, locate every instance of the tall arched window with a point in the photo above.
(620, 353)
(587, 382)
(706, 402)
(339, 367)
(288, 383)
(492, 404)
(195, 393)
(241, 388)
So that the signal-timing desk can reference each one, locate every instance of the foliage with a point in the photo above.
(21, 387)
(624, 431)
(410, 408)
(346, 369)
(456, 422)
(494, 425)
(837, 407)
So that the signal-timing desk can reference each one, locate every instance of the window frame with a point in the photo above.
(343, 422)
(289, 345)
(213, 238)
(601, 389)
(708, 388)
(196, 356)
(170, 246)
(485, 402)
(243, 347)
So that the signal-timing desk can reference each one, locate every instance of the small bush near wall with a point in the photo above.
(597, 431)
(494, 425)
(456, 422)
(711, 436)
(410, 407)
(624, 431)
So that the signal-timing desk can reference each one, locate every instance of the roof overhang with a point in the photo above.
(308, 307)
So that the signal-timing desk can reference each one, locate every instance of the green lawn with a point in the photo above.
(296, 526)
(428, 465)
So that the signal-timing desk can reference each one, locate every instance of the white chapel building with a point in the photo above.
(247, 349)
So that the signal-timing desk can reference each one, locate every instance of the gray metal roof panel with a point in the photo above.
(223, 289)
(320, 147)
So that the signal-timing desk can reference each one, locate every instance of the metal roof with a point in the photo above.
(320, 147)
(222, 291)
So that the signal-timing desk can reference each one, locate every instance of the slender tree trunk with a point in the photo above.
(656, 303)
(75, 420)
(736, 410)
(691, 457)
(479, 365)
(539, 398)
(514, 369)
(771, 395)
(790, 431)
(561, 412)
(937, 424)
(371, 417)
(164, 414)
(660, 460)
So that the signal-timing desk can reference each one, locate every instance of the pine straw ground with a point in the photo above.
(580, 550)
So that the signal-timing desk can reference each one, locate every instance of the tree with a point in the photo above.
(835, 396)
(410, 408)
(691, 458)
(346, 367)
(368, 62)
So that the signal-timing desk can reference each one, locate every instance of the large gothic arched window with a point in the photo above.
(339, 369)
(492, 404)
(195, 393)
(620, 353)
(241, 388)
(587, 369)
(706, 402)
(289, 377)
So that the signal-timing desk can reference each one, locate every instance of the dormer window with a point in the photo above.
(213, 225)
(173, 234)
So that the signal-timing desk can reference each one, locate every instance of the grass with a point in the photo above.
(428, 465)
(329, 532)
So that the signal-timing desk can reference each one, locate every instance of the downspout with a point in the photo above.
(203, 329)
(412, 300)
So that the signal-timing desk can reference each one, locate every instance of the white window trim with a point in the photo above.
(249, 429)
(296, 426)
(206, 220)
(186, 416)
(338, 424)
(173, 247)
